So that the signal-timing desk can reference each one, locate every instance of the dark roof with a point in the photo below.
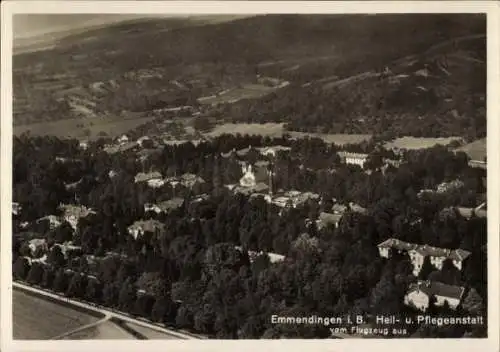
(438, 289)
(397, 244)
(426, 250)
(459, 254)
(328, 218)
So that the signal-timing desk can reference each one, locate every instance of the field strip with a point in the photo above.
(106, 312)
(106, 318)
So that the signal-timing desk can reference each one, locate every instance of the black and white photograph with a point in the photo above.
(205, 176)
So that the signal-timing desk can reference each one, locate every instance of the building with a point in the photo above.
(418, 253)
(156, 183)
(164, 207)
(73, 213)
(480, 211)
(327, 219)
(68, 247)
(141, 140)
(84, 145)
(122, 147)
(16, 208)
(339, 209)
(53, 221)
(273, 257)
(274, 150)
(123, 139)
(393, 244)
(146, 177)
(356, 208)
(420, 294)
(353, 158)
(36, 244)
(449, 186)
(138, 228)
(478, 164)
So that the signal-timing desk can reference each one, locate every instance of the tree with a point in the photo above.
(93, 291)
(77, 286)
(35, 275)
(127, 296)
(56, 257)
(202, 124)
(21, 268)
(143, 305)
(384, 298)
(64, 233)
(426, 269)
(61, 281)
(163, 310)
(110, 294)
(473, 303)
(48, 277)
(152, 283)
(184, 318)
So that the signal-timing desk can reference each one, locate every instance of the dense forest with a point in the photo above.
(188, 274)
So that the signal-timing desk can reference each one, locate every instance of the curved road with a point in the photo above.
(108, 314)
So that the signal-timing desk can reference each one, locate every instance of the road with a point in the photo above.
(106, 318)
(108, 314)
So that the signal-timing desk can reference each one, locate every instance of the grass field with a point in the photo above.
(103, 331)
(265, 129)
(248, 91)
(475, 150)
(71, 128)
(277, 130)
(35, 318)
(419, 143)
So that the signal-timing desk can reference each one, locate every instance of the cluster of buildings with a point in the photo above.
(39, 250)
(419, 295)
(72, 213)
(418, 253)
(155, 179)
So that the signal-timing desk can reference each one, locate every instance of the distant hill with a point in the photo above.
(440, 92)
(317, 54)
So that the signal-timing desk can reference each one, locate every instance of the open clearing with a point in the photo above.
(71, 128)
(419, 143)
(475, 150)
(248, 91)
(264, 129)
(35, 318)
(277, 130)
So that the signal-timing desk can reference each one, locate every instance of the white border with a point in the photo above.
(254, 7)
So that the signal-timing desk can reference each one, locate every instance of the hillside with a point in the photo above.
(438, 93)
(141, 66)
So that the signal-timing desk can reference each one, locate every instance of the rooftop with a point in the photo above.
(147, 225)
(438, 289)
(143, 177)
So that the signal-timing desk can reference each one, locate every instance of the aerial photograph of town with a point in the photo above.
(274, 176)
